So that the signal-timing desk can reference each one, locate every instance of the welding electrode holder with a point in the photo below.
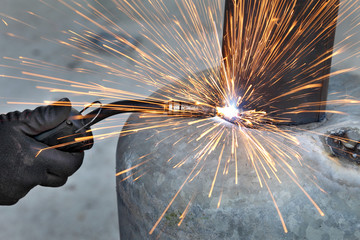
(72, 135)
(75, 135)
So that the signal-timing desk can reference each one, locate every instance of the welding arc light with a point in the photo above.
(228, 113)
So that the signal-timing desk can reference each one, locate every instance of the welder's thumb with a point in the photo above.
(41, 119)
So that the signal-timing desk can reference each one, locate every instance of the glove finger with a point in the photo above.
(44, 118)
(54, 181)
(61, 163)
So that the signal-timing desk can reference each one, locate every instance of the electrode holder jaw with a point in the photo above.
(189, 109)
(72, 135)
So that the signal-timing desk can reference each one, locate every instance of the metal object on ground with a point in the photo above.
(345, 143)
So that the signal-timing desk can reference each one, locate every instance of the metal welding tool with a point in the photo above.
(75, 135)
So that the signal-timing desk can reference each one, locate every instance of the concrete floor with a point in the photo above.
(85, 208)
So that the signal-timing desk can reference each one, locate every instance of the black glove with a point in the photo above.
(20, 169)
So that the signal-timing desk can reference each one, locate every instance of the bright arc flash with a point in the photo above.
(229, 112)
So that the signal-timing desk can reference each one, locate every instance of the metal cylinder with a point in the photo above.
(285, 65)
(154, 162)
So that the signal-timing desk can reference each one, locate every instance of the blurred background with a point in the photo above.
(86, 207)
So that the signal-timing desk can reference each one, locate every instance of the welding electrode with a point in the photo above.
(75, 135)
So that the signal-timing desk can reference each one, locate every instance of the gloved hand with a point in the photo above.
(20, 170)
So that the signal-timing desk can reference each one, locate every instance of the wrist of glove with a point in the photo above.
(21, 169)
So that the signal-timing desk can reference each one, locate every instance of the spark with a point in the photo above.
(6, 24)
(16, 20)
(217, 170)
(220, 198)
(133, 167)
(183, 215)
